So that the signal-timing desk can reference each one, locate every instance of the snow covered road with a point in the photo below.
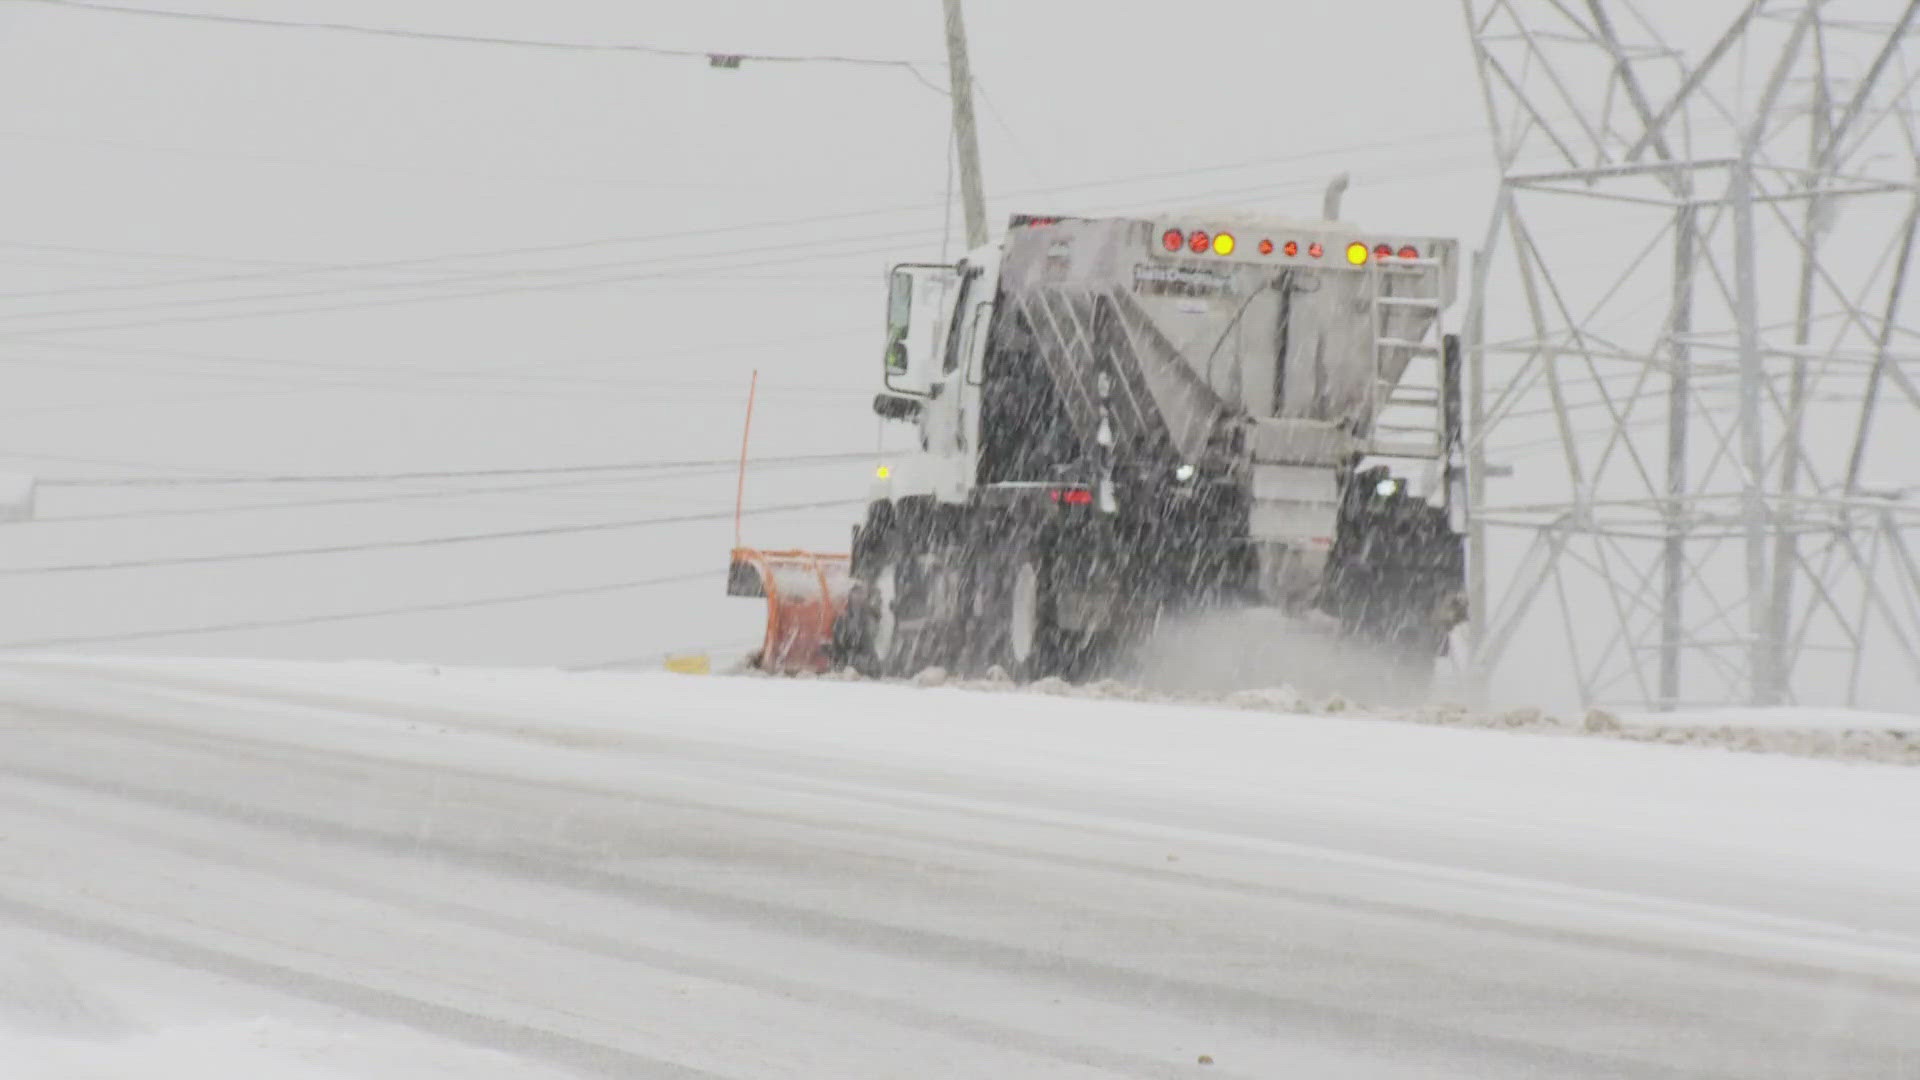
(304, 871)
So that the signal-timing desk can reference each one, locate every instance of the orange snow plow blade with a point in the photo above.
(805, 591)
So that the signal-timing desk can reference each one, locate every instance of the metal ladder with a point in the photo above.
(1409, 419)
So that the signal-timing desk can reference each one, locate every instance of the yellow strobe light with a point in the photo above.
(1223, 243)
(882, 472)
(1357, 253)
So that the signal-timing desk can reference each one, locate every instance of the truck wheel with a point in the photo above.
(885, 648)
(1027, 641)
(867, 636)
(883, 637)
(1023, 615)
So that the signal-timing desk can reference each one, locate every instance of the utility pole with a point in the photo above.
(965, 137)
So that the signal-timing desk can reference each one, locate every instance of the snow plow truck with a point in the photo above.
(1123, 419)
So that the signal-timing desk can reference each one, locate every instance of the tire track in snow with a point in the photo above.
(1253, 1007)
(574, 938)
(907, 792)
(579, 1055)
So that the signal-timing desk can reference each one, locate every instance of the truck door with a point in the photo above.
(973, 373)
(916, 305)
(953, 416)
(943, 428)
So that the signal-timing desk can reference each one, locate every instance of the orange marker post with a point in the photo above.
(740, 495)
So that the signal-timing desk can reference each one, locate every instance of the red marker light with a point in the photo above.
(1172, 240)
(1199, 242)
(1072, 496)
(1266, 247)
(1383, 251)
(1409, 252)
(1293, 247)
(1314, 249)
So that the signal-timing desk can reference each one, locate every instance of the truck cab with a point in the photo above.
(938, 327)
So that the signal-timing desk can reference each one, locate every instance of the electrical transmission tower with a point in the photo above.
(1693, 348)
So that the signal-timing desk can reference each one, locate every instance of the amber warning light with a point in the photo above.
(1201, 242)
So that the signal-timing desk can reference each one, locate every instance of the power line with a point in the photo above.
(810, 250)
(805, 251)
(72, 261)
(677, 262)
(73, 459)
(370, 613)
(489, 176)
(434, 474)
(814, 253)
(258, 270)
(692, 234)
(445, 493)
(570, 245)
(514, 372)
(150, 256)
(423, 542)
(815, 250)
(654, 394)
(346, 500)
(711, 56)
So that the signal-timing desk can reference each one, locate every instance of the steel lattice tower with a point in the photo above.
(1689, 338)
